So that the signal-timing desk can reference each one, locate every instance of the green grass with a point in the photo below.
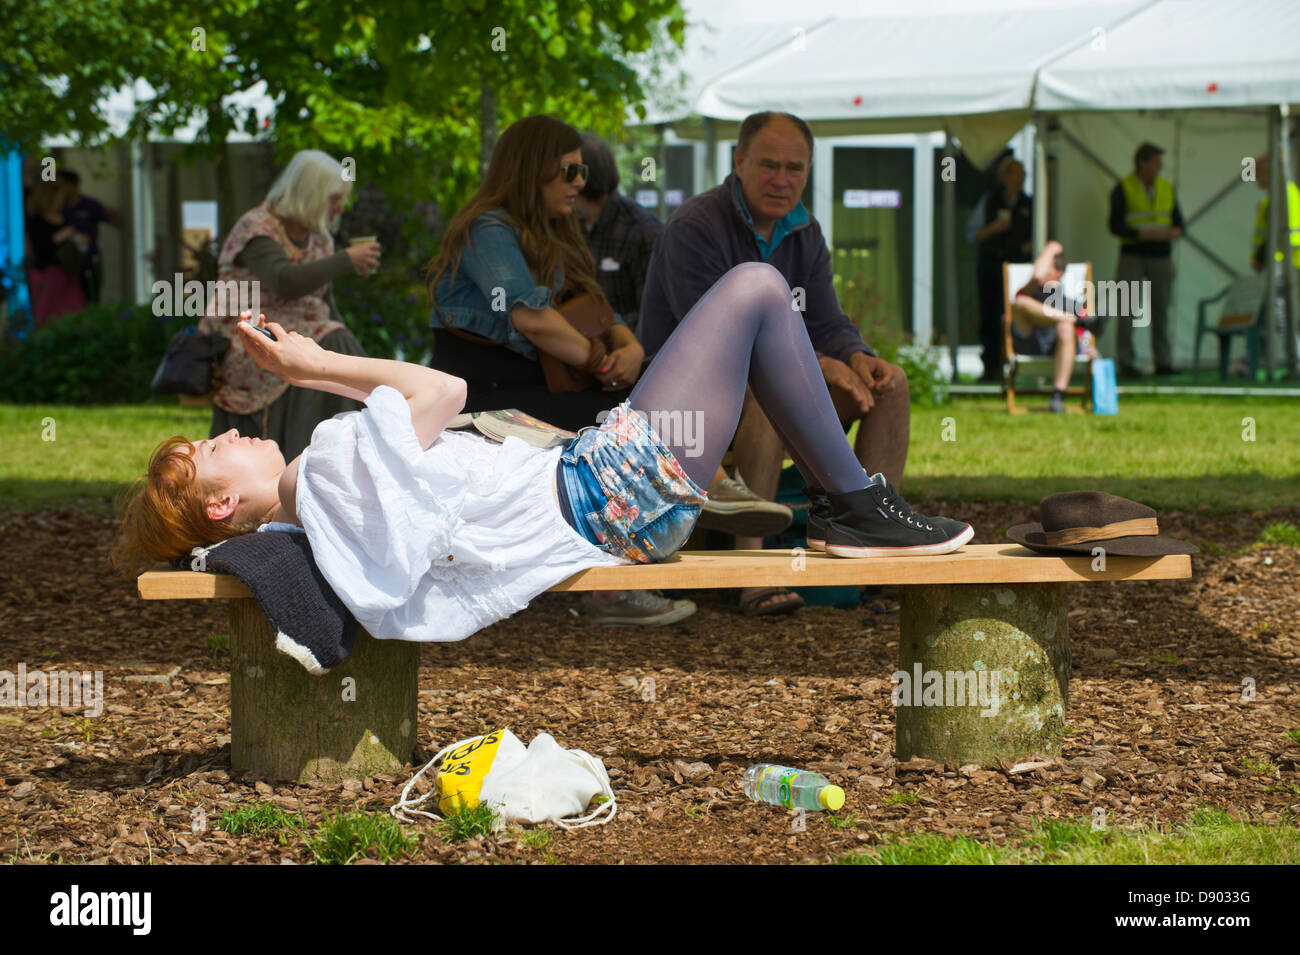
(1280, 532)
(1208, 837)
(261, 819)
(540, 840)
(96, 451)
(1259, 767)
(1182, 452)
(466, 823)
(349, 836)
(901, 799)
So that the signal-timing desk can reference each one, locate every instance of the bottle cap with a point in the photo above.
(831, 797)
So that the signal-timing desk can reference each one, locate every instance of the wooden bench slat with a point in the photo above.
(696, 570)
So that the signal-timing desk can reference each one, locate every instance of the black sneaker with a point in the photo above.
(819, 511)
(877, 522)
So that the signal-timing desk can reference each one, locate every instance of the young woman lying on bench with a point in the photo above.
(399, 511)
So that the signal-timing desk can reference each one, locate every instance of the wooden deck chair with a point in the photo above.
(1077, 278)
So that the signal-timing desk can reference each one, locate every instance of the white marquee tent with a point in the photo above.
(1206, 79)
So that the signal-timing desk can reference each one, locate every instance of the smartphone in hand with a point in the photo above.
(246, 318)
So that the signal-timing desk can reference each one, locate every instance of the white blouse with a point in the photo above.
(432, 544)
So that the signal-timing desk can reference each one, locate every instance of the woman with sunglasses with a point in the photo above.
(508, 256)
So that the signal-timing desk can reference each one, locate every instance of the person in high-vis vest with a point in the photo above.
(1144, 214)
(1260, 240)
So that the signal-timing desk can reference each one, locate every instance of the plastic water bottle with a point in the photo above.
(792, 788)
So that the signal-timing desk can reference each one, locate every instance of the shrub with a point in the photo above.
(104, 354)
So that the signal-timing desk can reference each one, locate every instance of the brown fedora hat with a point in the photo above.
(1078, 521)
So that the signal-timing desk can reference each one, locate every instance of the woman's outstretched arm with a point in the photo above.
(435, 397)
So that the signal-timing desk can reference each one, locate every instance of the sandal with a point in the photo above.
(753, 606)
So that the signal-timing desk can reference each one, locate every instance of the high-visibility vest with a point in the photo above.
(1293, 226)
(1143, 213)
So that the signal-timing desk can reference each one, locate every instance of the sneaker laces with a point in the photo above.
(903, 510)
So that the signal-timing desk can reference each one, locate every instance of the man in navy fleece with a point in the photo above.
(756, 216)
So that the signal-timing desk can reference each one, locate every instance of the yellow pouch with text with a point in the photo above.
(462, 772)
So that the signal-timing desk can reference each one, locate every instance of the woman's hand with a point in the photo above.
(365, 257)
(622, 367)
(293, 357)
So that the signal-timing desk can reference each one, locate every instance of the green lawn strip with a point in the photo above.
(1207, 837)
(1186, 453)
(96, 451)
(1179, 452)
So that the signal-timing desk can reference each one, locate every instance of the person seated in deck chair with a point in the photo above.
(428, 534)
(1045, 322)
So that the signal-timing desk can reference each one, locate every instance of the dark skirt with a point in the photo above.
(500, 378)
(291, 418)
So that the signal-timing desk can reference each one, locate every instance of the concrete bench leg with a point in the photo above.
(285, 723)
(1009, 643)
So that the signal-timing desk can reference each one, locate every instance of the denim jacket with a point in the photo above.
(492, 260)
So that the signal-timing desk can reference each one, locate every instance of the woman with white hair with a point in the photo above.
(284, 245)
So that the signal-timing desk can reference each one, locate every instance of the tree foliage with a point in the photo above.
(397, 86)
(394, 84)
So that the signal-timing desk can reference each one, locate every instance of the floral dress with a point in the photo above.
(244, 388)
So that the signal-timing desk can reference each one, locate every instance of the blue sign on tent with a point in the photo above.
(13, 280)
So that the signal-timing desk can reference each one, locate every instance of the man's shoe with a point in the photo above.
(1056, 405)
(877, 522)
(819, 512)
(1096, 324)
(636, 608)
(734, 509)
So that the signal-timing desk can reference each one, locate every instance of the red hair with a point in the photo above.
(165, 512)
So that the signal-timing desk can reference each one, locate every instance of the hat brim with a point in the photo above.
(1033, 537)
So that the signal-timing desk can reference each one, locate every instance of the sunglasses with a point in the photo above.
(573, 170)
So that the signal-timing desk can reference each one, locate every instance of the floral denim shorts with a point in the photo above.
(625, 491)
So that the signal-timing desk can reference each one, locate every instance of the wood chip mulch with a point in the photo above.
(1159, 722)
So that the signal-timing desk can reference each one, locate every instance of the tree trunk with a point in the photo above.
(227, 215)
(1009, 643)
(285, 723)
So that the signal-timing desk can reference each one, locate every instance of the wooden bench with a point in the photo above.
(993, 608)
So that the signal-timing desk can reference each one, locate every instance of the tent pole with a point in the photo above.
(1040, 183)
(710, 152)
(1291, 281)
(142, 224)
(1273, 276)
(950, 235)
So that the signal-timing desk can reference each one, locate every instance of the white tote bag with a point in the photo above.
(541, 783)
